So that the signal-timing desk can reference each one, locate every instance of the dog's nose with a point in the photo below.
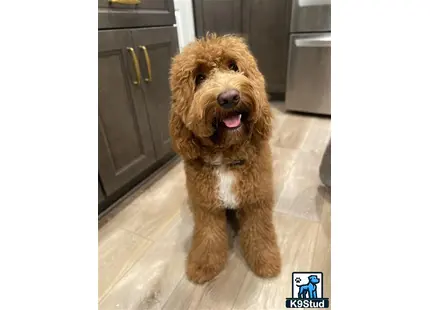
(229, 98)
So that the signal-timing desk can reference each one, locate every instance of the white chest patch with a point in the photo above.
(226, 181)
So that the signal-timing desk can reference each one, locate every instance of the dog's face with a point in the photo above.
(314, 279)
(218, 92)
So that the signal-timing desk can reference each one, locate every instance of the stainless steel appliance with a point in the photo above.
(325, 166)
(308, 86)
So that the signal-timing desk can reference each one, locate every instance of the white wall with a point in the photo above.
(184, 22)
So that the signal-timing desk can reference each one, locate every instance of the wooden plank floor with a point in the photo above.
(144, 242)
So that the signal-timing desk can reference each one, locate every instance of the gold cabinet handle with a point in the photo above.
(129, 2)
(136, 66)
(148, 63)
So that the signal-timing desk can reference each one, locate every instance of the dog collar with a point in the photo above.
(237, 162)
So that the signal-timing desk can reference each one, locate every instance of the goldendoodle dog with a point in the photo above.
(220, 124)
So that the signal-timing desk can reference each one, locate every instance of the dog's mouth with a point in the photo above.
(230, 120)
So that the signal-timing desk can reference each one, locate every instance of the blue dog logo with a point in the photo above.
(309, 295)
(309, 290)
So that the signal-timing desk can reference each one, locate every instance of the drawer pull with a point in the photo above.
(129, 2)
(318, 41)
(307, 3)
(136, 66)
(148, 63)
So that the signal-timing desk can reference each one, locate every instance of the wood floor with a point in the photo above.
(143, 243)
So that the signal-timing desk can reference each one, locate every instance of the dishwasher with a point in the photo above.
(308, 86)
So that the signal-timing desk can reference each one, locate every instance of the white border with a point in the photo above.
(48, 155)
(380, 154)
(380, 135)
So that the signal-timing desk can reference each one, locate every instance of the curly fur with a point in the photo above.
(213, 182)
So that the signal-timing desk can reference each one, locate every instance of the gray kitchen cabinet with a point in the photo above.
(156, 46)
(219, 16)
(137, 40)
(264, 24)
(135, 13)
(125, 140)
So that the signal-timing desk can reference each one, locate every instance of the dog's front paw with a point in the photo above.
(266, 263)
(202, 270)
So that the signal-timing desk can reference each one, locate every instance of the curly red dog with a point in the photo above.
(220, 125)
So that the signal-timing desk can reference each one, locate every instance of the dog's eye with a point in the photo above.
(232, 66)
(200, 78)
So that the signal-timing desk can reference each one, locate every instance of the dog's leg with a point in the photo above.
(314, 292)
(209, 248)
(301, 292)
(258, 240)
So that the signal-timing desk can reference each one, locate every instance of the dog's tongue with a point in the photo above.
(232, 121)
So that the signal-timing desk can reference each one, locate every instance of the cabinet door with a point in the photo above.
(266, 26)
(219, 16)
(135, 13)
(125, 142)
(156, 47)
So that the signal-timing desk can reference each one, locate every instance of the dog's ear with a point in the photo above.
(181, 84)
(183, 140)
(263, 118)
(263, 125)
